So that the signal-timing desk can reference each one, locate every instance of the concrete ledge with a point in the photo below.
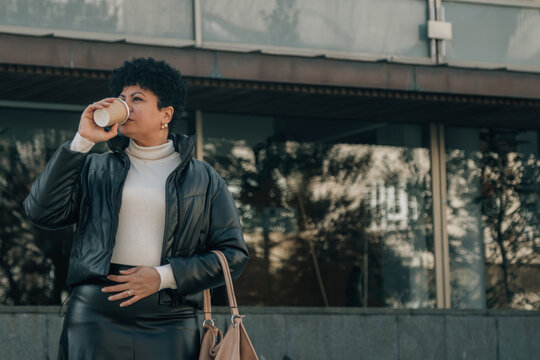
(258, 66)
(289, 333)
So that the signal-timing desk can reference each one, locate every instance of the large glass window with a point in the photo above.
(360, 26)
(490, 34)
(171, 19)
(335, 212)
(493, 182)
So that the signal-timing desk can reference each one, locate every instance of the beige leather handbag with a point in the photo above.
(235, 345)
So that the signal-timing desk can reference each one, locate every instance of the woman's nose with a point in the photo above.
(130, 105)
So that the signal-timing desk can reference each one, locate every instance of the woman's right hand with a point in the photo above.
(88, 128)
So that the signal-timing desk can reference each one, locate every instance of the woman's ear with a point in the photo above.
(168, 113)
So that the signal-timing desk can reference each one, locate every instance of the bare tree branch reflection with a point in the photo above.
(510, 183)
(494, 230)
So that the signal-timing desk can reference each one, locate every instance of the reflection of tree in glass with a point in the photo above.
(510, 186)
(33, 262)
(464, 222)
(265, 201)
(282, 22)
(300, 196)
(400, 204)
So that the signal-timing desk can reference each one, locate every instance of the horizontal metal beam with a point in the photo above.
(361, 92)
(98, 58)
(237, 85)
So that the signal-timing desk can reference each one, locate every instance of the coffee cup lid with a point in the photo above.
(127, 109)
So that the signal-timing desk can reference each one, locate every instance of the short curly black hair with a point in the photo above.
(156, 76)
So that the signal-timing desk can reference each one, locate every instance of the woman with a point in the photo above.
(147, 215)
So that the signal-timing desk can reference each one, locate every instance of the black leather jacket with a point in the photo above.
(86, 190)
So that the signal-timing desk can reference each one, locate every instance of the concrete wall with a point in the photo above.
(32, 332)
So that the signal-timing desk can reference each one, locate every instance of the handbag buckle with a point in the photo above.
(236, 317)
(210, 321)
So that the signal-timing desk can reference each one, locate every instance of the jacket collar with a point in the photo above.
(183, 144)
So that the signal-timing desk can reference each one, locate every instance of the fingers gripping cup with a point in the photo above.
(116, 113)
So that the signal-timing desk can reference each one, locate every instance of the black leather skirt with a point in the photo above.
(98, 329)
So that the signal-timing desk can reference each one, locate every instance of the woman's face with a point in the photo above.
(145, 121)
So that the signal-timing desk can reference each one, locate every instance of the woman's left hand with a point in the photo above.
(135, 283)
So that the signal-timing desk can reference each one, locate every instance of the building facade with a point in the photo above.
(382, 154)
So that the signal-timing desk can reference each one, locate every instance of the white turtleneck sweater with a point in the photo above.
(141, 222)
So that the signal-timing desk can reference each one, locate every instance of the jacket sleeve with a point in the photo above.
(53, 201)
(203, 271)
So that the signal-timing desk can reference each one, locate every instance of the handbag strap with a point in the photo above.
(207, 309)
(230, 290)
(228, 282)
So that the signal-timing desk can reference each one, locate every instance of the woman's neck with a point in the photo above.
(150, 152)
(154, 140)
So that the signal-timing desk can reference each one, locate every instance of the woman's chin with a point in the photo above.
(123, 130)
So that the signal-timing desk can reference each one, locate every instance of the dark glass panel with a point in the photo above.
(334, 212)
